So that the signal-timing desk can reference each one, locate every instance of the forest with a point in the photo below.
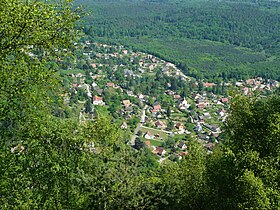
(205, 38)
(51, 161)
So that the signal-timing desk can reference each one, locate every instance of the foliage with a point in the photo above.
(245, 173)
(199, 36)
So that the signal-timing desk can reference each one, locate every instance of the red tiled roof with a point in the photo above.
(97, 98)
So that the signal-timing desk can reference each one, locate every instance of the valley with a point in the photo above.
(151, 99)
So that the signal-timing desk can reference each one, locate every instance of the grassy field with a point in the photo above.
(156, 143)
(162, 134)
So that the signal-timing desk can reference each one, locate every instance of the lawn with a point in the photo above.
(162, 134)
(156, 143)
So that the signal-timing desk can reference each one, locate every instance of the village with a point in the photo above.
(151, 99)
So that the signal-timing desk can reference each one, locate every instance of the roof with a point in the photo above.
(206, 84)
(157, 107)
(178, 125)
(97, 98)
(126, 102)
(181, 144)
(148, 133)
(110, 84)
(148, 143)
(159, 123)
(224, 100)
(176, 96)
(159, 150)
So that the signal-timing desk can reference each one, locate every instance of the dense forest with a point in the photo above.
(205, 38)
(51, 161)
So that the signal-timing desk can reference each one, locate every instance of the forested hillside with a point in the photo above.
(51, 160)
(178, 30)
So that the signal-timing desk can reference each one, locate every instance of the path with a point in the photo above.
(142, 120)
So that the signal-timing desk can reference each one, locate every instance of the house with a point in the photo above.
(176, 97)
(213, 127)
(93, 65)
(148, 143)
(80, 75)
(110, 84)
(250, 81)
(198, 128)
(130, 93)
(76, 85)
(170, 92)
(159, 151)
(124, 125)
(128, 72)
(140, 96)
(201, 118)
(245, 90)
(148, 135)
(141, 62)
(125, 52)
(160, 124)
(206, 84)
(183, 154)
(94, 85)
(126, 103)
(207, 115)
(200, 100)
(151, 67)
(98, 101)
(203, 136)
(182, 145)
(157, 135)
(221, 113)
(156, 108)
(201, 106)
(239, 84)
(179, 126)
(183, 105)
(224, 100)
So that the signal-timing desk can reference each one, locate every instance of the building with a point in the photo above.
(126, 103)
(98, 101)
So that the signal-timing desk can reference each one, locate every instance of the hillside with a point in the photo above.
(159, 27)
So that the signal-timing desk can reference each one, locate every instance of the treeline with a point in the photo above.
(247, 24)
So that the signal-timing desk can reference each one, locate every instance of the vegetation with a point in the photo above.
(49, 160)
(226, 39)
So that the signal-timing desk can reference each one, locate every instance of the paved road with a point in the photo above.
(142, 120)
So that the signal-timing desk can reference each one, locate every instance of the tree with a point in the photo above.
(36, 25)
(88, 106)
(168, 112)
(138, 143)
(253, 125)
(43, 172)
(185, 182)
(30, 33)
(35, 146)
(244, 173)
